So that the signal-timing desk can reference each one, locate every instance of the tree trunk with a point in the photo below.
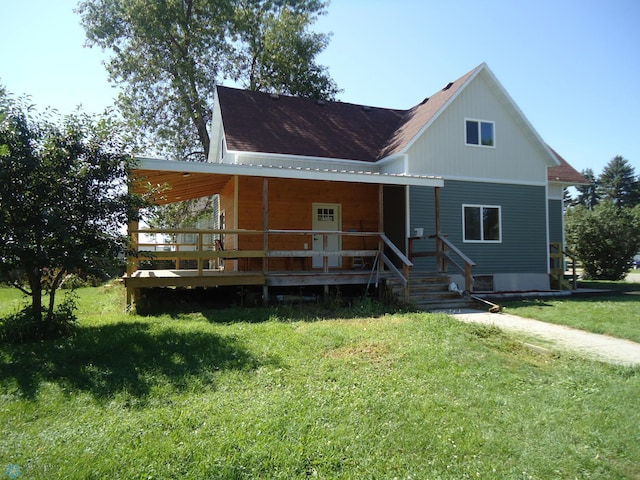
(57, 281)
(34, 276)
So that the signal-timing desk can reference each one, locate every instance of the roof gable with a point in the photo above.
(257, 122)
(417, 119)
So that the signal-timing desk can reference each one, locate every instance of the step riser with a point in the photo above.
(429, 292)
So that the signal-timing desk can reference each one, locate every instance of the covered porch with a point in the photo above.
(269, 236)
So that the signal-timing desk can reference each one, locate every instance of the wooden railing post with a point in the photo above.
(468, 279)
(200, 249)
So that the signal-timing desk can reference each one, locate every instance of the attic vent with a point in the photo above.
(424, 101)
(274, 96)
(321, 103)
(448, 86)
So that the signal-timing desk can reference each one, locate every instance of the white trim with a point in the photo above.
(473, 205)
(494, 180)
(479, 121)
(288, 172)
(390, 158)
(292, 157)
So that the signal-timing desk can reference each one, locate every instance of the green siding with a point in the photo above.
(555, 221)
(524, 225)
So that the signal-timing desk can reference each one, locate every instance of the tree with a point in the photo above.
(618, 184)
(277, 51)
(63, 195)
(588, 194)
(167, 55)
(604, 239)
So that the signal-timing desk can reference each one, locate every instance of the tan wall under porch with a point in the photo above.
(287, 205)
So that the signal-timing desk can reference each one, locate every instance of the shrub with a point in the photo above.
(23, 327)
(605, 239)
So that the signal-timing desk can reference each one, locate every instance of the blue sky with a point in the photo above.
(573, 67)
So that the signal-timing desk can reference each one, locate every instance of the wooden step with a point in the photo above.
(429, 291)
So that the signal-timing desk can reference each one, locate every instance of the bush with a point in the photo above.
(22, 326)
(604, 239)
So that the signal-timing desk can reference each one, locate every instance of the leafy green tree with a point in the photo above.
(618, 184)
(277, 51)
(167, 55)
(63, 198)
(588, 194)
(604, 239)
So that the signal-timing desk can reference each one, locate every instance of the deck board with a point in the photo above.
(214, 278)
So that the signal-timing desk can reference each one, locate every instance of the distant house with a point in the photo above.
(326, 189)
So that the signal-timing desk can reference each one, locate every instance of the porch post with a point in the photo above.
(439, 252)
(437, 202)
(380, 229)
(265, 238)
(132, 260)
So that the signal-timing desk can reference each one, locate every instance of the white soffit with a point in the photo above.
(273, 171)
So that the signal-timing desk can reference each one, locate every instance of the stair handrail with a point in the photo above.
(442, 255)
(407, 264)
(574, 259)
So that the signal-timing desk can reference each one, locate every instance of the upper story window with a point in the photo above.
(480, 133)
(482, 223)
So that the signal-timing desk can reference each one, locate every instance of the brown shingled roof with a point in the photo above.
(260, 122)
(565, 173)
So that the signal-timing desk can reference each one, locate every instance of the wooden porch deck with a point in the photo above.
(276, 264)
(216, 278)
(272, 266)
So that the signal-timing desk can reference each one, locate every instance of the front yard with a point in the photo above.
(616, 315)
(284, 393)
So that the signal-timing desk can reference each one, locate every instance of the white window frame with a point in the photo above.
(481, 240)
(479, 122)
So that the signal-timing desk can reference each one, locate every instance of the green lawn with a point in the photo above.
(616, 315)
(275, 393)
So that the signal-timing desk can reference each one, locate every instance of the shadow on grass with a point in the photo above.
(125, 357)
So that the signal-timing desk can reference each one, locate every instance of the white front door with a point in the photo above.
(327, 218)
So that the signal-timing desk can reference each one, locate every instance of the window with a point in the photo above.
(480, 133)
(482, 223)
(326, 215)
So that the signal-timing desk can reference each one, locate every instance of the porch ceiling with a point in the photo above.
(177, 186)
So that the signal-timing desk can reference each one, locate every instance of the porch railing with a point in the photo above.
(446, 253)
(208, 250)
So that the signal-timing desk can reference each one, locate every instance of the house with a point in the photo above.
(320, 193)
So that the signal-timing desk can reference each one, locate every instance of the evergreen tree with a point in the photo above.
(588, 195)
(618, 183)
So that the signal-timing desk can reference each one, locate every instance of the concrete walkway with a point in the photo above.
(592, 345)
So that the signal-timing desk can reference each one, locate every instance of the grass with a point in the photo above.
(616, 315)
(278, 393)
